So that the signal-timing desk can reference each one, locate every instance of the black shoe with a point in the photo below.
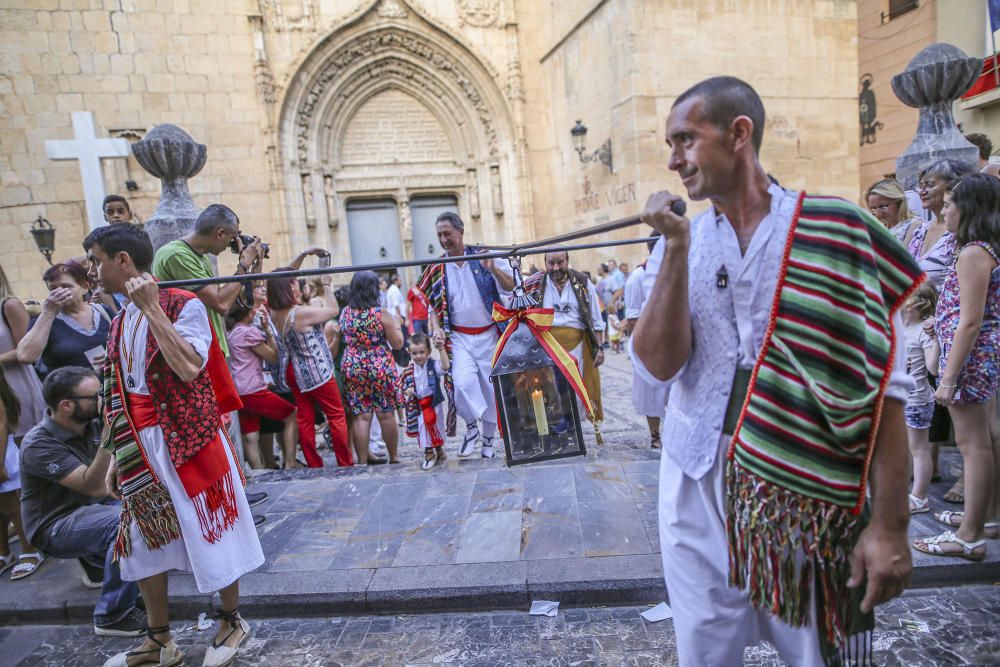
(132, 624)
(258, 519)
(93, 576)
(255, 499)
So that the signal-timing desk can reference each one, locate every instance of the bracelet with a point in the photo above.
(245, 269)
(947, 386)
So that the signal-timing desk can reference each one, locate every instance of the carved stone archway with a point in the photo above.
(407, 55)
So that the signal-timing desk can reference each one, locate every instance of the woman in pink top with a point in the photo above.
(249, 348)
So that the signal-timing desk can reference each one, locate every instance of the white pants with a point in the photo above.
(215, 566)
(713, 621)
(471, 365)
(648, 401)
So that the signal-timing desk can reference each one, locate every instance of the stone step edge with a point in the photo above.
(574, 582)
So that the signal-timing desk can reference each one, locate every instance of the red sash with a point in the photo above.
(430, 420)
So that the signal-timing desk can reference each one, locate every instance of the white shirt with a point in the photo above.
(635, 293)
(729, 325)
(465, 305)
(192, 324)
(421, 386)
(567, 309)
(394, 302)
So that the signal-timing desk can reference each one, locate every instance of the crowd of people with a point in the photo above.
(891, 319)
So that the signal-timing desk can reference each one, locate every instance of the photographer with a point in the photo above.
(215, 230)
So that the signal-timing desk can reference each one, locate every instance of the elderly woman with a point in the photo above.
(931, 244)
(70, 331)
(887, 202)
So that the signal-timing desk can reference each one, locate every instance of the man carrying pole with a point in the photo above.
(462, 295)
(183, 505)
(773, 317)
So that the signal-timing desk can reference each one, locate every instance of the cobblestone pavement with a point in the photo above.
(963, 629)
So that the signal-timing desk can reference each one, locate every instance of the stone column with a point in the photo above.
(931, 82)
(170, 154)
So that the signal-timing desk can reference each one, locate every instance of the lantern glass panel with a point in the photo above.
(539, 414)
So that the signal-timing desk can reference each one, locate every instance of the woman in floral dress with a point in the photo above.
(968, 330)
(369, 371)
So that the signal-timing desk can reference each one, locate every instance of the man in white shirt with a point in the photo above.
(462, 295)
(707, 323)
(576, 323)
(394, 300)
(648, 399)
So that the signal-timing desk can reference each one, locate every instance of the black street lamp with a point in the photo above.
(45, 237)
(602, 154)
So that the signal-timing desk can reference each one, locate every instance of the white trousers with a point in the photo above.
(214, 566)
(471, 365)
(714, 622)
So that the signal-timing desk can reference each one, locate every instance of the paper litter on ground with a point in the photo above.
(660, 612)
(543, 608)
(204, 623)
(914, 626)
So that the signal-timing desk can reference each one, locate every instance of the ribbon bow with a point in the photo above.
(539, 321)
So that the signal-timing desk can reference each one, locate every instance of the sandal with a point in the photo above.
(220, 655)
(430, 459)
(991, 529)
(919, 505)
(7, 562)
(935, 546)
(956, 494)
(654, 441)
(22, 570)
(165, 655)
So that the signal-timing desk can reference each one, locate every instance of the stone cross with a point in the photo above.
(89, 150)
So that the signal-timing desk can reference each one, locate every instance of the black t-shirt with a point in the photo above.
(49, 453)
(68, 341)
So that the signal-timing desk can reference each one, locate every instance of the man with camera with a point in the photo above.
(215, 230)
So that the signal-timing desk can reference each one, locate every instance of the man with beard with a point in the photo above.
(576, 323)
(166, 388)
(68, 512)
(462, 295)
(773, 317)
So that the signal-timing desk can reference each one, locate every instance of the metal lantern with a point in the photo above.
(539, 416)
(45, 237)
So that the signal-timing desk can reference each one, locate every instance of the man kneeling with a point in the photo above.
(64, 498)
(166, 388)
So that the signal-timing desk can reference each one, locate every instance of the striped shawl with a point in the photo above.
(798, 462)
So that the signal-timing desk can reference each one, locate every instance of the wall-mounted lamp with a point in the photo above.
(602, 154)
(45, 237)
(131, 185)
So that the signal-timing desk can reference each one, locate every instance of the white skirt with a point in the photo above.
(214, 566)
(11, 461)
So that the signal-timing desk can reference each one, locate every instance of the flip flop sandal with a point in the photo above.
(7, 562)
(22, 570)
(934, 546)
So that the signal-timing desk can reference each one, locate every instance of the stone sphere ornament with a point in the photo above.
(931, 82)
(170, 154)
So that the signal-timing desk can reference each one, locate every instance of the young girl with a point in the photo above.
(921, 357)
(424, 395)
(249, 348)
(968, 330)
(10, 490)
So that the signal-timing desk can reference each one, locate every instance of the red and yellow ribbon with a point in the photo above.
(539, 321)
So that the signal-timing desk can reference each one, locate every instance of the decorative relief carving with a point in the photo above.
(479, 13)
(332, 211)
(393, 127)
(307, 200)
(472, 186)
(497, 189)
(351, 184)
(290, 14)
(385, 43)
(391, 9)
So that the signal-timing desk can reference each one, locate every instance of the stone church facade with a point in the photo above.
(351, 124)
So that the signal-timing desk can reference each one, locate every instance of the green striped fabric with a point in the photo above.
(798, 462)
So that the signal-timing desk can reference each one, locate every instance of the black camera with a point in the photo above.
(243, 241)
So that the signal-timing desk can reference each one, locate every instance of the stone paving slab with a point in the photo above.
(961, 630)
(471, 533)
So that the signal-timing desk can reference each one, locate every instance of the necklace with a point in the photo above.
(129, 352)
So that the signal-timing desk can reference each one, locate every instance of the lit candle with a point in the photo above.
(541, 421)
